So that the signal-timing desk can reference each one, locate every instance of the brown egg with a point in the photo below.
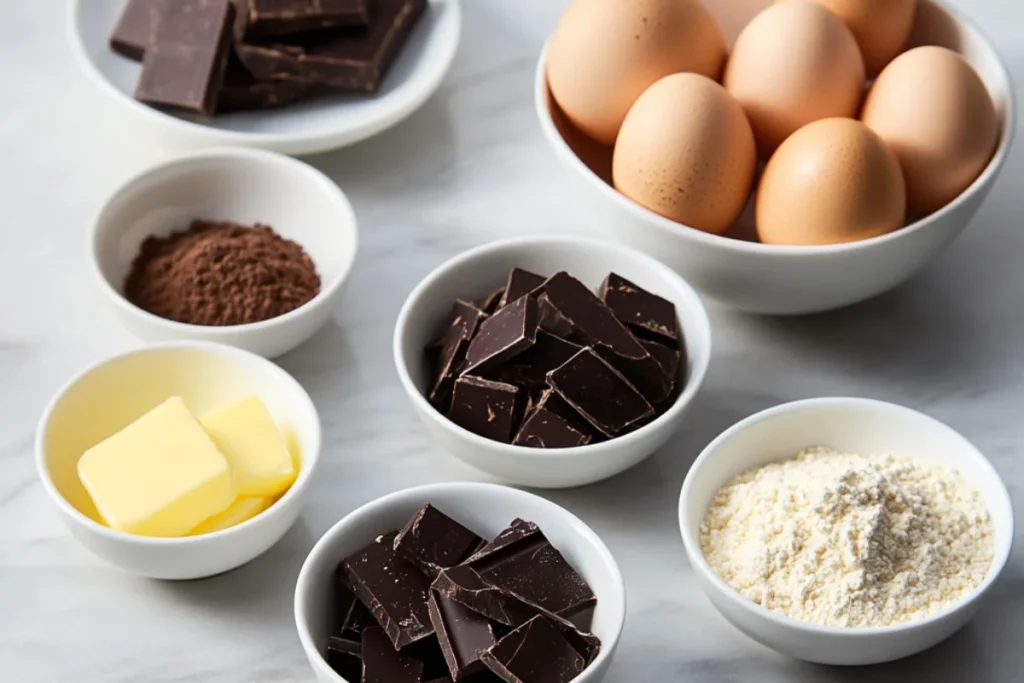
(605, 53)
(833, 181)
(934, 112)
(686, 151)
(794, 63)
(881, 27)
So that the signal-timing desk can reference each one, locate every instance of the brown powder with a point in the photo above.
(221, 273)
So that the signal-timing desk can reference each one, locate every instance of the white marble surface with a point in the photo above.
(468, 168)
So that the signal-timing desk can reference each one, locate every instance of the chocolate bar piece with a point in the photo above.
(281, 17)
(184, 65)
(394, 590)
(348, 60)
(601, 329)
(599, 393)
(383, 664)
(463, 323)
(530, 368)
(242, 92)
(352, 616)
(488, 303)
(345, 656)
(433, 541)
(487, 408)
(451, 357)
(544, 428)
(136, 27)
(510, 331)
(535, 652)
(668, 358)
(553, 321)
(520, 283)
(463, 635)
(642, 311)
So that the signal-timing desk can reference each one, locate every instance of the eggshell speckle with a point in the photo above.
(881, 27)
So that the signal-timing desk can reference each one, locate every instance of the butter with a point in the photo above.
(244, 508)
(255, 448)
(160, 476)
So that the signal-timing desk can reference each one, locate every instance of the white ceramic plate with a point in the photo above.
(316, 125)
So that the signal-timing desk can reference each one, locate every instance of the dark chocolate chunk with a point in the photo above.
(345, 656)
(242, 92)
(394, 590)
(509, 332)
(383, 664)
(349, 60)
(667, 357)
(452, 355)
(487, 408)
(281, 17)
(520, 283)
(530, 368)
(544, 428)
(136, 28)
(641, 310)
(600, 328)
(433, 541)
(463, 322)
(553, 321)
(536, 652)
(519, 533)
(599, 393)
(352, 616)
(184, 65)
(489, 302)
(462, 633)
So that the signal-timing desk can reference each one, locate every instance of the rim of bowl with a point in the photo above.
(313, 175)
(1000, 556)
(693, 384)
(356, 517)
(308, 464)
(995, 164)
(228, 136)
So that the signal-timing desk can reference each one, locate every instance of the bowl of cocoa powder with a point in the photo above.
(237, 246)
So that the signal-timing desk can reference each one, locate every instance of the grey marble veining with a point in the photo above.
(471, 166)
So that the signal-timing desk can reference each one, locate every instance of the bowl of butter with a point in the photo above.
(179, 460)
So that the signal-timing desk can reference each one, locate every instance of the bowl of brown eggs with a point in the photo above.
(785, 157)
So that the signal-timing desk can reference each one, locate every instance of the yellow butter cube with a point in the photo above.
(160, 476)
(244, 508)
(255, 448)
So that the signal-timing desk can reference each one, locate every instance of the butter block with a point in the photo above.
(244, 508)
(255, 448)
(160, 476)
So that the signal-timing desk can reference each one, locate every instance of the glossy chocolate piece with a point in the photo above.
(519, 283)
(543, 428)
(136, 28)
(184, 65)
(530, 368)
(394, 590)
(242, 92)
(646, 313)
(282, 17)
(433, 541)
(488, 303)
(462, 633)
(451, 356)
(345, 656)
(553, 321)
(536, 652)
(487, 408)
(507, 333)
(463, 323)
(599, 393)
(351, 614)
(668, 358)
(383, 664)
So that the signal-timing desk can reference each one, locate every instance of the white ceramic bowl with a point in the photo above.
(484, 508)
(247, 186)
(852, 425)
(480, 270)
(775, 279)
(317, 125)
(108, 396)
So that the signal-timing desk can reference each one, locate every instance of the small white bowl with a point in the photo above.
(774, 279)
(485, 268)
(852, 425)
(484, 508)
(246, 186)
(317, 125)
(108, 396)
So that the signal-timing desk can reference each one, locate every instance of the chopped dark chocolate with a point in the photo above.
(184, 65)
(345, 656)
(553, 321)
(640, 309)
(348, 60)
(530, 368)
(433, 541)
(352, 615)
(599, 393)
(509, 332)
(544, 428)
(383, 664)
(520, 283)
(136, 28)
(517, 534)
(242, 92)
(536, 652)
(281, 17)
(463, 322)
(394, 590)
(452, 355)
(487, 408)
(462, 633)
(489, 302)
(667, 357)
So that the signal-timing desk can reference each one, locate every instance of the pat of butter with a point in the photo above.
(254, 447)
(244, 508)
(160, 476)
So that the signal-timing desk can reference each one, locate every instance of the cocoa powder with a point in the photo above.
(221, 273)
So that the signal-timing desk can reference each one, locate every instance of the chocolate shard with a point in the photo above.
(184, 65)
(345, 656)
(669, 359)
(544, 428)
(536, 652)
(462, 633)
(597, 325)
(451, 356)
(463, 585)
(282, 17)
(507, 333)
(644, 312)
(599, 393)
(433, 541)
(352, 616)
(518, 534)
(530, 368)
(347, 60)
(136, 28)
(487, 408)
(553, 321)
(242, 92)
(488, 303)
(519, 283)
(383, 664)
(394, 591)
(463, 323)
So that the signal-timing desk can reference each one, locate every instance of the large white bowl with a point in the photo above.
(317, 125)
(484, 508)
(775, 279)
(246, 186)
(852, 425)
(106, 397)
(485, 268)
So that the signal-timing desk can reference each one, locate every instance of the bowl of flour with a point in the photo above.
(845, 531)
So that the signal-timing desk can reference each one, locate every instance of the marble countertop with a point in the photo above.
(470, 167)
